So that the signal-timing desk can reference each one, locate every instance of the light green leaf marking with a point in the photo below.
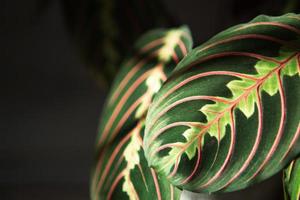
(216, 129)
(189, 134)
(131, 155)
(153, 83)
(171, 40)
(244, 91)
(244, 97)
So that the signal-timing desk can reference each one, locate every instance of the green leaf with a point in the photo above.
(291, 180)
(240, 92)
(122, 172)
(190, 134)
(156, 55)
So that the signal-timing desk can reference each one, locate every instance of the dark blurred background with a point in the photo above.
(50, 104)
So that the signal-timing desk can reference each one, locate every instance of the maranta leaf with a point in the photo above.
(228, 116)
(156, 55)
(122, 172)
(291, 180)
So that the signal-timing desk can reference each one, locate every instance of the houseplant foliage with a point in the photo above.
(226, 117)
(155, 56)
(121, 170)
(291, 180)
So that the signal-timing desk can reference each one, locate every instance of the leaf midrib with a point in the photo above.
(259, 82)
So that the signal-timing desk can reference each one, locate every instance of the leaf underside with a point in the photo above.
(228, 116)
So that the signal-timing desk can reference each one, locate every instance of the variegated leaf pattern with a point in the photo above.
(156, 55)
(228, 116)
(291, 180)
(122, 172)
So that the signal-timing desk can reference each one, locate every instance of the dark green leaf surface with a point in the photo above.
(122, 172)
(156, 55)
(228, 116)
(291, 180)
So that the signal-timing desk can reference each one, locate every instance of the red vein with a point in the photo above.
(175, 57)
(256, 144)
(197, 164)
(192, 78)
(191, 98)
(204, 74)
(284, 26)
(129, 76)
(229, 154)
(176, 165)
(152, 44)
(156, 184)
(259, 81)
(97, 170)
(219, 55)
(126, 115)
(114, 185)
(231, 107)
(111, 159)
(280, 129)
(162, 130)
(241, 37)
(292, 143)
(225, 73)
(213, 163)
(126, 79)
(158, 68)
(231, 53)
(182, 47)
(120, 105)
(112, 175)
(166, 146)
(184, 100)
